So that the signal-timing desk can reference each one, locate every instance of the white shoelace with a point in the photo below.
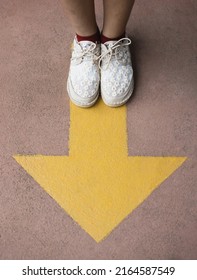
(111, 51)
(87, 52)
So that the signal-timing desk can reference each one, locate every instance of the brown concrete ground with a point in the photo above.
(34, 119)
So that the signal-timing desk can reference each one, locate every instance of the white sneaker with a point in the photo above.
(117, 81)
(84, 77)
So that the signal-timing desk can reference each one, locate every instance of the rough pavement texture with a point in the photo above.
(34, 119)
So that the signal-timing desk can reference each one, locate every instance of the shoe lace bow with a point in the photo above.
(112, 50)
(87, 51)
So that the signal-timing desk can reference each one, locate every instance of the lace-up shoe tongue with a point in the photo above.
(108, 52)
(89, 50)
(120, 42)
(109, 44)
(85, 44)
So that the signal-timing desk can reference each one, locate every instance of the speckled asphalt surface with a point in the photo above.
(34, 119)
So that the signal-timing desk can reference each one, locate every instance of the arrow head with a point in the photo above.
(98, 195)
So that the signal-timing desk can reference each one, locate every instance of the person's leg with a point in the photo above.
(81, 14)
(117, 81)
(84, 77)
(116, 15)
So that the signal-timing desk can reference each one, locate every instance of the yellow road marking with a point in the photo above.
(98, 184)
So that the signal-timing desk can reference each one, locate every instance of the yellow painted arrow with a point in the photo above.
(98, 184)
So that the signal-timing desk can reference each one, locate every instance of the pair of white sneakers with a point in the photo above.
(105, 68)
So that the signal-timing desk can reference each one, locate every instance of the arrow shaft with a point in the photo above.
(97, 133)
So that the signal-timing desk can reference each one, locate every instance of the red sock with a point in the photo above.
(95, 38)
(104, 39)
